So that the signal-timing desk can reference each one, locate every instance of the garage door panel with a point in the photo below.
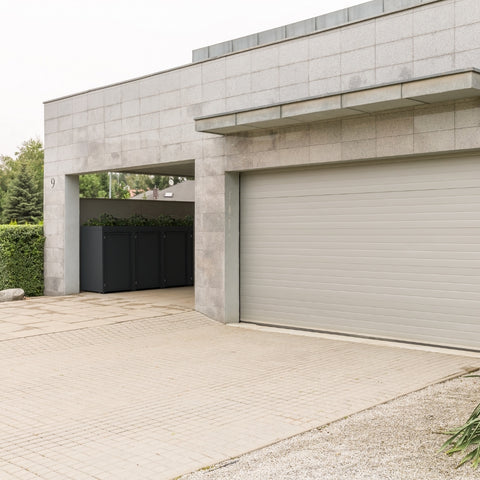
(462, 300)
(372, 248)
(372, 273)
(360, 298)
(389, 201)
(382, 177)
(457, 292)
(413, 256)
(369, 242)
(364, 271)
(470, 273)
(446, 334)
(376, 315)
(403, 263)
(371, 221)
(449, 234)
(291, 261)
(324, 279)
(384, 322)
(334, 189)
(377, 220)
(333, 218)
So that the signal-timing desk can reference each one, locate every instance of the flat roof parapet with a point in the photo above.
(357, 13)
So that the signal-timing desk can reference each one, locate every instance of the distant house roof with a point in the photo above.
(181, 192)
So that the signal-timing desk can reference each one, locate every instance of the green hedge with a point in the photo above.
(21, 258)
(107, 220)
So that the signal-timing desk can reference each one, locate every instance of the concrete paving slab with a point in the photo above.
(156, 397)
(57, 314)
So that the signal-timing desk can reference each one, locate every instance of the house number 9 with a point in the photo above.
(52, 182)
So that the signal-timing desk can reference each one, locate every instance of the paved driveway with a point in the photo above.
(156, 389)
(41, 315)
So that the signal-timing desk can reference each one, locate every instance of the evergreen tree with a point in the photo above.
(31, 152)
(30, 158)
(23, 200)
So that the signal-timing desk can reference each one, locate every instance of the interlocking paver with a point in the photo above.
(147, 388)
(41, 315)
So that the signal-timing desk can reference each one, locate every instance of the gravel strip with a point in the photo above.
(397, 440)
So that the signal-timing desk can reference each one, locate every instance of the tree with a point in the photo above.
(5, 176)
(32, 153)
(136, 182)
(28, 161)
(94, 185)
(120, 189)
(97, 185)
(162, 181)
(23, 200)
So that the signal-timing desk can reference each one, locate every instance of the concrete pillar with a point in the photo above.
(216, 236)
(62, 231)
(72, 235)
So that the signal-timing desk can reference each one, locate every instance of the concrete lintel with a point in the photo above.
(377, 99)
(278, 123)
(332, 114)
(220, 122)
(372, 96)
(316, 105)
(448, 87)
(253, 117)
(232, 129)
(326, 115)
(451, 86)
(387, 105)
(447, 96)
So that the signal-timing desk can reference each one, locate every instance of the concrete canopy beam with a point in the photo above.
(440, 88)
(377, 99)
(212, 124)
(255, 116)
(317, 109)
(443, 88)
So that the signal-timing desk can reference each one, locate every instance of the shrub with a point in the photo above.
(107, 220)
(466, 439)
(21, 258)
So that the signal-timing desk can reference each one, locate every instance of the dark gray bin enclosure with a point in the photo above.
(115, 259)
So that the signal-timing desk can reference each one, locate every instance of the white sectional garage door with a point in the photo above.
(388, 250)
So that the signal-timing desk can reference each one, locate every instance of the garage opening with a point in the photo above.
(141, 237)
(385, 249)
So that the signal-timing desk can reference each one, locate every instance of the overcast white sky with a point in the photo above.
(51, 48)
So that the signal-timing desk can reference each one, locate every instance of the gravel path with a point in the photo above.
(395, 441)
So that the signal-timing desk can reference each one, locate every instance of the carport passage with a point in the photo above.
(156, 397)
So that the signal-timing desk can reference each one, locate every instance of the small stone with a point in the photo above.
(11, 294)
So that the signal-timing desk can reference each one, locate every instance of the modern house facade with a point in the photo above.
(336, 165)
